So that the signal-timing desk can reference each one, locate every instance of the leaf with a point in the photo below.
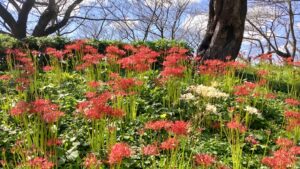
(73, 155)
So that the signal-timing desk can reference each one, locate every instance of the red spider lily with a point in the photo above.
(262, 82)
(241, 91)
(173, 63)
(47, 68)
(40, 163)
(245, 89)
(262, 73)
(205, 160)
(251, 139)
(178, 50)
(123, 86)
(94, 84)
(46, 110)
(235, 125)
(140, 61)
(173, 71)
(179, 128)
(20, 108)
(24, 63)
(116, 113)
(169, 144)
(284, 142)
(92, 58)
(158, 125)
(292, 114)
(216, 67)
(292, 102)
(89, 60)
(5, 77)
(41, 106)
(56, 53)
(235, 65)
(76, 46)
(282, 158)
(54, 142)
(91, 161)
(97, 107)
(212, 67)
(295, 150)
(150, 150)
(90, 95)
(118, 152)
(113, 53)
(16, 52)
(52, 116)
(173, 60)
(267, 56)
(94, 113)
(270, 96)
(129, 48)
(90, 50)
(250, 85)
(82, 66)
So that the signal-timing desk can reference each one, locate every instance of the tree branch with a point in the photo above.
(49, 14)
(14, 3)
(64, 21)
(7, 17)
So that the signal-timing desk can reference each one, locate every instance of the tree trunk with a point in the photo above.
(225, 29)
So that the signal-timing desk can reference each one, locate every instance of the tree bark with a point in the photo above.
(225, 29)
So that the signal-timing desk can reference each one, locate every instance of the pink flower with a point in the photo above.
(173, 64)
(204, 160)
(94, 84)
(251, 139)
(235, 125)
(91, 161)
(47, 68)
(5, 77)
(20, 108)
(179, 128)
(118, 152)
(54, 142)
(158, 125)
(40, 163)
(169, 144)
(53, 116)
(151, 149)
(292, 114)
(281, 159)
(140, 61)
(284, 142)
(292, 102)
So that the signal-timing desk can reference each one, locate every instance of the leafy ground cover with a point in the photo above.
(133, 107)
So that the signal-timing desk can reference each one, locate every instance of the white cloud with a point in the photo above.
(298, 25)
